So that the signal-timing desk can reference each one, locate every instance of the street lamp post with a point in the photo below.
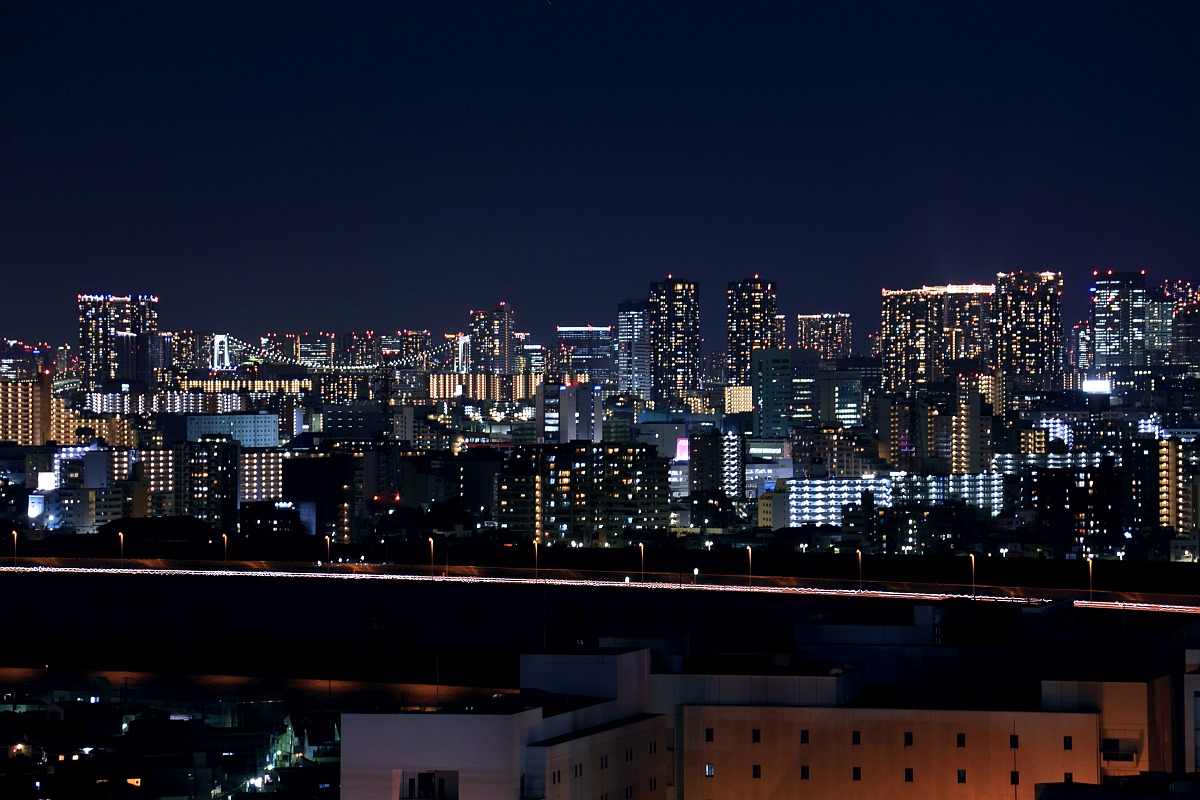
(972, 574)
(121, 541)
(225, 546)
(327, 556)
(14, 547)
(859, 569)
(535, 560)
(1089, 579)
(642, 551)
(749, 566)
(431, 556)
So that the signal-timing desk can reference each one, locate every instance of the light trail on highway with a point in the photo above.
(626, 583)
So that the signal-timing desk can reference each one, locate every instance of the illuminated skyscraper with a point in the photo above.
(1079, 346)
(1160, 315)
(493, 341)
(751, 325)
(105, 322)
(1029, 328)
(675, 336)
(911, 339)
(1183, 293)
(1118, 319)
(360, 349)
(407, 348)
(1185, 337)
(25, 409)
(319, 349)
(829, 335)
(591, 350)
(635, 351)
(286, 345)
(967, 320)
(926, 332)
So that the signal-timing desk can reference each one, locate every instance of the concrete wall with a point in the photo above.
(882, 756)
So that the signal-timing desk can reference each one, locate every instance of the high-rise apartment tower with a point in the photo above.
(675, 335)
(751, 324)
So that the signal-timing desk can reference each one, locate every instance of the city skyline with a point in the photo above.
(378, 169)
(1076, 309)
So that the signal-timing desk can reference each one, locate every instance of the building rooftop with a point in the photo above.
(767, 664)
(594, 729)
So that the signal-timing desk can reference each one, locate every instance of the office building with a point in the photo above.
(675, 338)
(570, 412)
(842, 397)
(285, 346)
(785, 391)
(1182, 292)
(359, 349)
(319, 349)
(1119, 305)
(591, 349)
(1185, 337)
(1079, 350)
(1029, 328)
(635, 349)
(249, 430)
(751, 322)
(405, 348)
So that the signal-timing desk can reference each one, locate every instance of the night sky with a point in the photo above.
(349, 166)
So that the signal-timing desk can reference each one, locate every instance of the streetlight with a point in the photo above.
(431, 556)
(695, 575)
(1089, 579)
(972, 555)
(14, 547)
(327, 557)
(225, 546)
(749, 566)
(121, 540)
(642, 551)
(535, 560)
(859, 569)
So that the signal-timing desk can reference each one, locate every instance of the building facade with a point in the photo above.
(1029, 328)
(675, 339)
(829, 334)
(750, 325)
(1119, 310)
(109, 327)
